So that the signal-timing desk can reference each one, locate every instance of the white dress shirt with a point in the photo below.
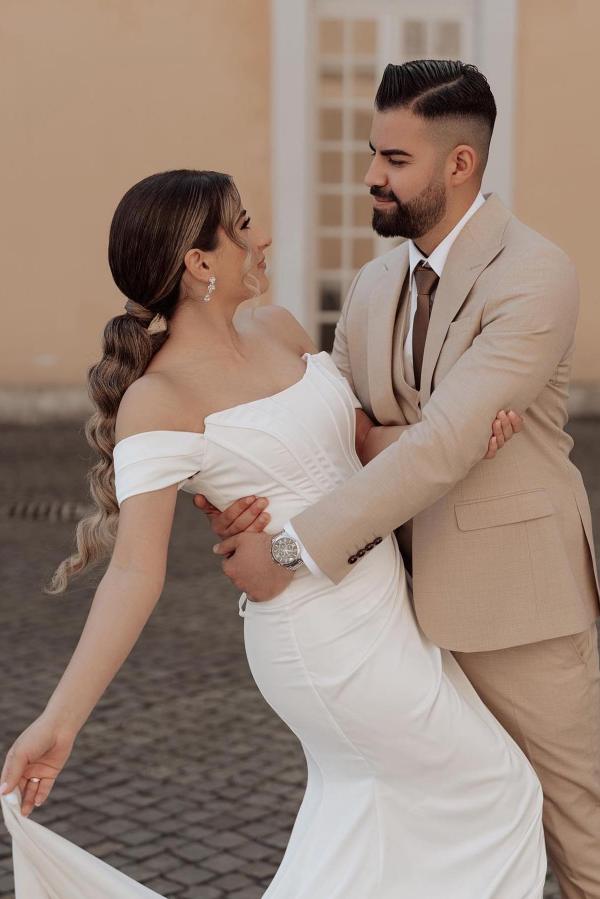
(436, 260)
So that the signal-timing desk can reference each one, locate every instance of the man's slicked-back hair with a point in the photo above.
(433, 88)
(438, 89)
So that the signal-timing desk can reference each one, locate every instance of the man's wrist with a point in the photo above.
(304, 554)
(285, 551)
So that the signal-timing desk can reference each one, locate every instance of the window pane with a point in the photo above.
(330, 253)
(363, 83)
(331, 37)
(447, 40)
(415, 40)
(364, 37)
(330, 296)
(362, 211)
(330, 168)
(331, 84)
(330, 210)
(361, 160)
(361, 124)
(327, 335)
(330, 124)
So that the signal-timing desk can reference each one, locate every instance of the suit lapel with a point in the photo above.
(476, 246)
(383, 306)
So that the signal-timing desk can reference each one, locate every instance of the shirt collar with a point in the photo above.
(437, 258)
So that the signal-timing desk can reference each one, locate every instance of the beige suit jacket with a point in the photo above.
(502, 549)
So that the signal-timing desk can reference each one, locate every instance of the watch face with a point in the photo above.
(285, 550)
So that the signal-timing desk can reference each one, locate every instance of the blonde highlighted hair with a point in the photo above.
(157, 221)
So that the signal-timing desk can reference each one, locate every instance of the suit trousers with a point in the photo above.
(547, 696)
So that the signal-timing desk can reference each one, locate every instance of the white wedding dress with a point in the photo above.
(414, 789)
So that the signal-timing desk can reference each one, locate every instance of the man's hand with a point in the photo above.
(250, 566)
(504, 427)
(244, 515)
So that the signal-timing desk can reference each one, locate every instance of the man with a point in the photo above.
(474, 313)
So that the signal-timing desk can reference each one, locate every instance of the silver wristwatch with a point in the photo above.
(286, 551)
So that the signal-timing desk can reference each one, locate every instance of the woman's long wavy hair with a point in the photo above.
(158, 220)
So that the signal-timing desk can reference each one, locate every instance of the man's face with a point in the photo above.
(407, 185)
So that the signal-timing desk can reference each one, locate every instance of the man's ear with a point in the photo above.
(464, 164)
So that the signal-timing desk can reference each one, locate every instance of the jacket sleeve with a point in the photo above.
(525, 333)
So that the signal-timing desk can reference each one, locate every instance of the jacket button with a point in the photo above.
(377, 541)
(369, 546)
(353, 559)
(361, 553)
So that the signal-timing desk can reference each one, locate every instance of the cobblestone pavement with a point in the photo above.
(183, 777)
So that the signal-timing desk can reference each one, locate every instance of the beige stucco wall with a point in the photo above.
(103, 93)
(558, 146)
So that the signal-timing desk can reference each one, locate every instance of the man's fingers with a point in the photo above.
(259, 524)
(227, 546)
(248, 518)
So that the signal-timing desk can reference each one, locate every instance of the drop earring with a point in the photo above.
(212, 286)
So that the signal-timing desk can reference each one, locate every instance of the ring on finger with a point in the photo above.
(35, 780)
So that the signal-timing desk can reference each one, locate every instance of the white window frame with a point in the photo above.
(292, 127)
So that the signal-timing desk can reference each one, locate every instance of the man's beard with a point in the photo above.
(412, 219)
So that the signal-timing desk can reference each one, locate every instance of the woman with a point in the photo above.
(413, 788)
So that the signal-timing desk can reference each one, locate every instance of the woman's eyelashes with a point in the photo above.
(246, 223)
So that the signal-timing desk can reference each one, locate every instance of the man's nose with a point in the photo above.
(375, 175)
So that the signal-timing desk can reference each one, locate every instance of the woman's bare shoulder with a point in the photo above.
(280, 323)
(153, 403)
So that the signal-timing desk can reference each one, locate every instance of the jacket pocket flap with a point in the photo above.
(509, 509)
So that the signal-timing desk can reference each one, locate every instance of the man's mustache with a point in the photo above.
(380, 195)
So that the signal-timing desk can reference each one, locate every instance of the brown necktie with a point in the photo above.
(426, 281)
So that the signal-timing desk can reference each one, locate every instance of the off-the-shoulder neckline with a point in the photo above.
(211, 415)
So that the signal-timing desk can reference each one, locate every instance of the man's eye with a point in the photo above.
(246, 223)
(398, 162)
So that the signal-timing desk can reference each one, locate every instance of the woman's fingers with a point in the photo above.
(492, 448)
(516, 421)
(506, 425)
(28, 794)
(12, 770)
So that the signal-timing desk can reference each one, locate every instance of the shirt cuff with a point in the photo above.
(304, 554)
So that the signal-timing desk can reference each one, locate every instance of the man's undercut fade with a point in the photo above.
(443, 90)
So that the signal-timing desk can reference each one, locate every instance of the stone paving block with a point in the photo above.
(194, 852)
(254, 892)
(222, 863)
(224, 839)
(191, 874)
(230, 882)
(202, 892)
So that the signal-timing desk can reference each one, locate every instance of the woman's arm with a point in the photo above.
(123, 602)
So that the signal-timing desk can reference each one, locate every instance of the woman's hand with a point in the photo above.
(40, 751)
(504, 427)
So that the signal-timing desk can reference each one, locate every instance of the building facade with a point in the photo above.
(278, 94)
